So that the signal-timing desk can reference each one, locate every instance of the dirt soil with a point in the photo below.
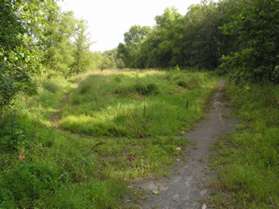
(187, 186)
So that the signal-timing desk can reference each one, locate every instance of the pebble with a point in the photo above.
(204, 206)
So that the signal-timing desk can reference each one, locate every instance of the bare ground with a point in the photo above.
(187, 186)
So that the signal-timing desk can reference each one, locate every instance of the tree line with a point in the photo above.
(236, 37)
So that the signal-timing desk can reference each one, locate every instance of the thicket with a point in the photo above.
(237, 37)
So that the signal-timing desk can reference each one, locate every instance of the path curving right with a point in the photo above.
(186, 187)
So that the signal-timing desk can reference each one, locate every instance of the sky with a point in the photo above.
(108, 20)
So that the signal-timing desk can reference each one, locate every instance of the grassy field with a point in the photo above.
(247, 161)
(79, 142)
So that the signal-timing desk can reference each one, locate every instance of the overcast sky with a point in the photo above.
(108, 20)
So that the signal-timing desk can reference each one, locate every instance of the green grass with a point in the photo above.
(78, 143)
(47, 101)
(247, 161)
(136, 105)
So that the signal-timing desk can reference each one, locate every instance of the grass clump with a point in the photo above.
(247, 160)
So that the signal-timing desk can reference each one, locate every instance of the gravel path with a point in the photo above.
(187, 186)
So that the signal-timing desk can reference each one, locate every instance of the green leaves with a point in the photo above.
(189, 40)
(252, 26)
(36, 34)
(244, 32)
(81, 50)
(130, 51)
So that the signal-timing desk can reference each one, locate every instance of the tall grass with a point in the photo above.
(110, 128)
(247, 161)
(137, 105)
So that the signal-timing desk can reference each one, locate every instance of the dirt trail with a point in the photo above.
(187, 187)
(55, 117)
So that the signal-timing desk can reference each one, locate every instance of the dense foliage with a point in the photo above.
(239, 37)
(19, 56)
(36, 36)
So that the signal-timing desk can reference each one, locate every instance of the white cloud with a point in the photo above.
(108, 20)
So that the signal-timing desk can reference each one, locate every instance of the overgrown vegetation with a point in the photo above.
(130, 104)
(237, 36)
(118, 136)
(37, 37)
(74, 140)
(247, 161)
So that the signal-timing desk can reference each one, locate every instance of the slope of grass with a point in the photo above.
(247, 161)
(141, 104)
(113, 127)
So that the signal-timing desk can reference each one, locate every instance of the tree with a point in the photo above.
(81, 49)
(129, 52)
(255, 26)
(164, 41)
(59, 49)
(200, 40)
(21, 24)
